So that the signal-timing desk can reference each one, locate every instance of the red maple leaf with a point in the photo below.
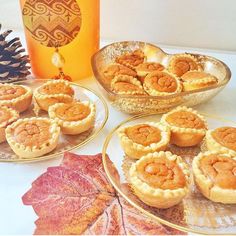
(76, 198)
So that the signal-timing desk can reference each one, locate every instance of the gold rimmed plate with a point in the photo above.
(195, 213)
(66, 142)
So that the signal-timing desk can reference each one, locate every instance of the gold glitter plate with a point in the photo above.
(156, 104)
(195, 214)
(66, 142)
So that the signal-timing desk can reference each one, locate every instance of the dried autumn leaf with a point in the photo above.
(76, 198)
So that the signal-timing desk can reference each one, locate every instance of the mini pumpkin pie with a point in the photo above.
(139, 140)
(17, 97)
(124, 84)
(131, 59)
(116, 69)
(73, 118)
(33, 137)
(7, 116)
(147, 67)
(160, 179)
(161, 83)
(182, 63)
(193, 80)
(222, 139)
(188, 128)
(52, 92)
(215, 176)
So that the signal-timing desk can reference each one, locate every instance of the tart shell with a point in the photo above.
(44, 101)
(157, 197)
(135, 150)
(185, 137)
(29, 152)
(20, 103)
(74, 127)
(207, 187)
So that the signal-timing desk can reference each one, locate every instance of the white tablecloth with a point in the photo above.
(16, 179)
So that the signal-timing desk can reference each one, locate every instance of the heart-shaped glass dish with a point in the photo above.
(159, 104)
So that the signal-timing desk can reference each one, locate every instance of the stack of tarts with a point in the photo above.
(160, 178)
(132, 74)
(37, 136)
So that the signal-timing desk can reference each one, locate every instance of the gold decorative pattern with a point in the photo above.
(52, 22)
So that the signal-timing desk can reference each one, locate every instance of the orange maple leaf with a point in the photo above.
(77, 198)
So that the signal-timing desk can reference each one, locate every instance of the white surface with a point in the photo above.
(202, 24)
(16, 179)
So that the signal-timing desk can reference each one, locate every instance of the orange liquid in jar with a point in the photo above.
(77, 53)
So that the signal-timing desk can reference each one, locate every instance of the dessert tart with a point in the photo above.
(188, 128)
(222, 139)
(215, 176)
(161, 83)
(116, 69)
(7, 116)
(160, 179)
(33, 137)
(193, 80)
(52, 92)
(182, 63)
(73, 118)
(139, 140)
(17, 97)
(147, 67)
(124, 84)
(131, 59)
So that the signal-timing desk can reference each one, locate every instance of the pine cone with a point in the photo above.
(14, 63)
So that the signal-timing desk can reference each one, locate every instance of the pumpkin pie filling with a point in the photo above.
(144, 134)
(225, 136)
(132, 59)
(180, 64)
(8, 92)
(221, 170)
(126, 87)
(159, 82)
(185, 119)
(72, 112)
(162, 173)
(141, 139)
(117, 69)
(33, 133)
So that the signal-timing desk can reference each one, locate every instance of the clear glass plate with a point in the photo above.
(195, 214)
(66, 142)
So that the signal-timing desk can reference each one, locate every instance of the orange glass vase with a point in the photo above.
(61, 36)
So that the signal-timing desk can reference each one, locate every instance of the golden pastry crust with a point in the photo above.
(33, 137)
(73, 118)
(222, 139)
(117, 69)
(131, 59)
(136, 149)
(17, 97)
(124, 84)
(215, 176)
(7, 117)
(193, 80)
(161, 83)
(52, 92)
(188, 128)
(160, 179)
(182, 63)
